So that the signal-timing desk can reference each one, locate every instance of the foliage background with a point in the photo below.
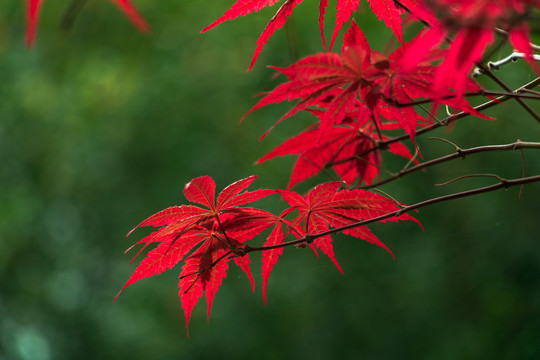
(101, 126)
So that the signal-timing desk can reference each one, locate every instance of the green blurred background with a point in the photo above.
(101, 126)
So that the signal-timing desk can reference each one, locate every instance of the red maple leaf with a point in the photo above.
(397, 85)
(384, 9)
(312, 80)
(325, 79)
(326, 206)
(244, 7)
(34, 6)
(216, 230)
(361, 84)
(345, 8)
(387, 11)
(343, 148)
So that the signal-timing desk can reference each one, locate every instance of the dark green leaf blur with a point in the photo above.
(101, 126)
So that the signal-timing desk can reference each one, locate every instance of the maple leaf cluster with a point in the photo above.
(207, 238)
(357, 96)
(185, 227)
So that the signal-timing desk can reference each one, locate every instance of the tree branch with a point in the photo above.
(460, 153)
(502, 184)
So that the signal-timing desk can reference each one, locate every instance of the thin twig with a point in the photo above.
(470, 176)
(458, 149)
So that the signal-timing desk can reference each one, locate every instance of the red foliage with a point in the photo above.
(340, 148)
(208, 238)
(384, 9)
(219, 231)
(326, 206)
(357, 96)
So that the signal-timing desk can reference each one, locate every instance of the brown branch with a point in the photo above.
(460, 153)
(503, 184)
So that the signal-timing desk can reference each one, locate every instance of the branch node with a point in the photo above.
(240, 251)
(382, 145)
(458, 149)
